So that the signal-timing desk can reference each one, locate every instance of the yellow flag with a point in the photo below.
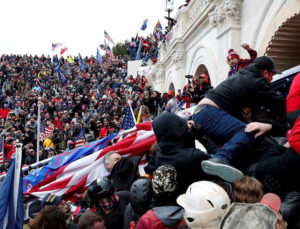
(139, 115)
(70, 60)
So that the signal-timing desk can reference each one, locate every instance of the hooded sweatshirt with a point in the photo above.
(177, 148)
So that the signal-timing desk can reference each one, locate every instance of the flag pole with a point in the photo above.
(18, 164)
(38, 130)
(129, 103)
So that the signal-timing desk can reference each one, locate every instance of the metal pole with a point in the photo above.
(18, 165)
(38, 131)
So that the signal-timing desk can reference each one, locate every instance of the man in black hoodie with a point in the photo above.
(177, 148)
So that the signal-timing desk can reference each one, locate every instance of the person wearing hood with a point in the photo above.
(176, 141)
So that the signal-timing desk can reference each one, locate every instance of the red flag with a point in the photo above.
(63, 50)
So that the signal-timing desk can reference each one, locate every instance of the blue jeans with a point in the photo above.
(223, 127)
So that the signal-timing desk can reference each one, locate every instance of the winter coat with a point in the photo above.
(163, 217)
(177, 148)
(249, 88)
(293, 98)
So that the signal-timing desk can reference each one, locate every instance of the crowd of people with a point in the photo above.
(245, 178)
(94, 100)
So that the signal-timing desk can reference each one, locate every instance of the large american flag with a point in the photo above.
(72, 179)
(46, 131)
(80, 140)
(129, 120)
(108, 37)
(1, 149)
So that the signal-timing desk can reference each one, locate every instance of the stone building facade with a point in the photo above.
(206, 29)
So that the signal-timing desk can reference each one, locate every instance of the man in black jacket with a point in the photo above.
(219, 113)
(177, 148)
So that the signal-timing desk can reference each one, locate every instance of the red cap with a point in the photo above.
(272, 201)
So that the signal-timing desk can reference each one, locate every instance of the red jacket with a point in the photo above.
(293, 98)
(294, 138)
(103, 131)
(9, 148)
(150, 221)
(4, 112)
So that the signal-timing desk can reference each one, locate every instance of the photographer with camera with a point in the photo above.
(198, 87)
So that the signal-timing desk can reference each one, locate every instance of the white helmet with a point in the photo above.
(205, 203)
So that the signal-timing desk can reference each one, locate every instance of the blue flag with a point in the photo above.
(56, 64)
(81, 63)
(11, 199)
(129, 121)
(139, 52)
(61, 76)
(144, 25)
(81, 134)
(37, 175)
(99, 58)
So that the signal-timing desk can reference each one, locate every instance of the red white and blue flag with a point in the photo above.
(37, 175)
(56, 45)
(46, 131)
(80, 139)
(111, 55)
(108, 37)
(73, 179)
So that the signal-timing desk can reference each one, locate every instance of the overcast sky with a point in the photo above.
(30, 26)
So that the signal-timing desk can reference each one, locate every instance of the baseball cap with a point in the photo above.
(272, 201)
(266, 63)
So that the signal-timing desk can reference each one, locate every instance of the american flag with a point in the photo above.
(46, 132)
(80, 141)
(72, 179)
(108, 37)
(129, 120)
(1, 150)
(111, 55)
(56, 45)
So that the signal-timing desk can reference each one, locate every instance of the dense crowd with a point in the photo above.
(94, 99)
(244, 179)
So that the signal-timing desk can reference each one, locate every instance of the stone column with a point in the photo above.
(226, 18)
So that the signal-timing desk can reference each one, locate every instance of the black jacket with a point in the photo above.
(282, 165)
(247, 87)
(177, 148)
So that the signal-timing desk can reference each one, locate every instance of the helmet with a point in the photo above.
(100, 188)
(140, 195)
(205, 203)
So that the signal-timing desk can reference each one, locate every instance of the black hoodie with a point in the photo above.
(177, 148)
